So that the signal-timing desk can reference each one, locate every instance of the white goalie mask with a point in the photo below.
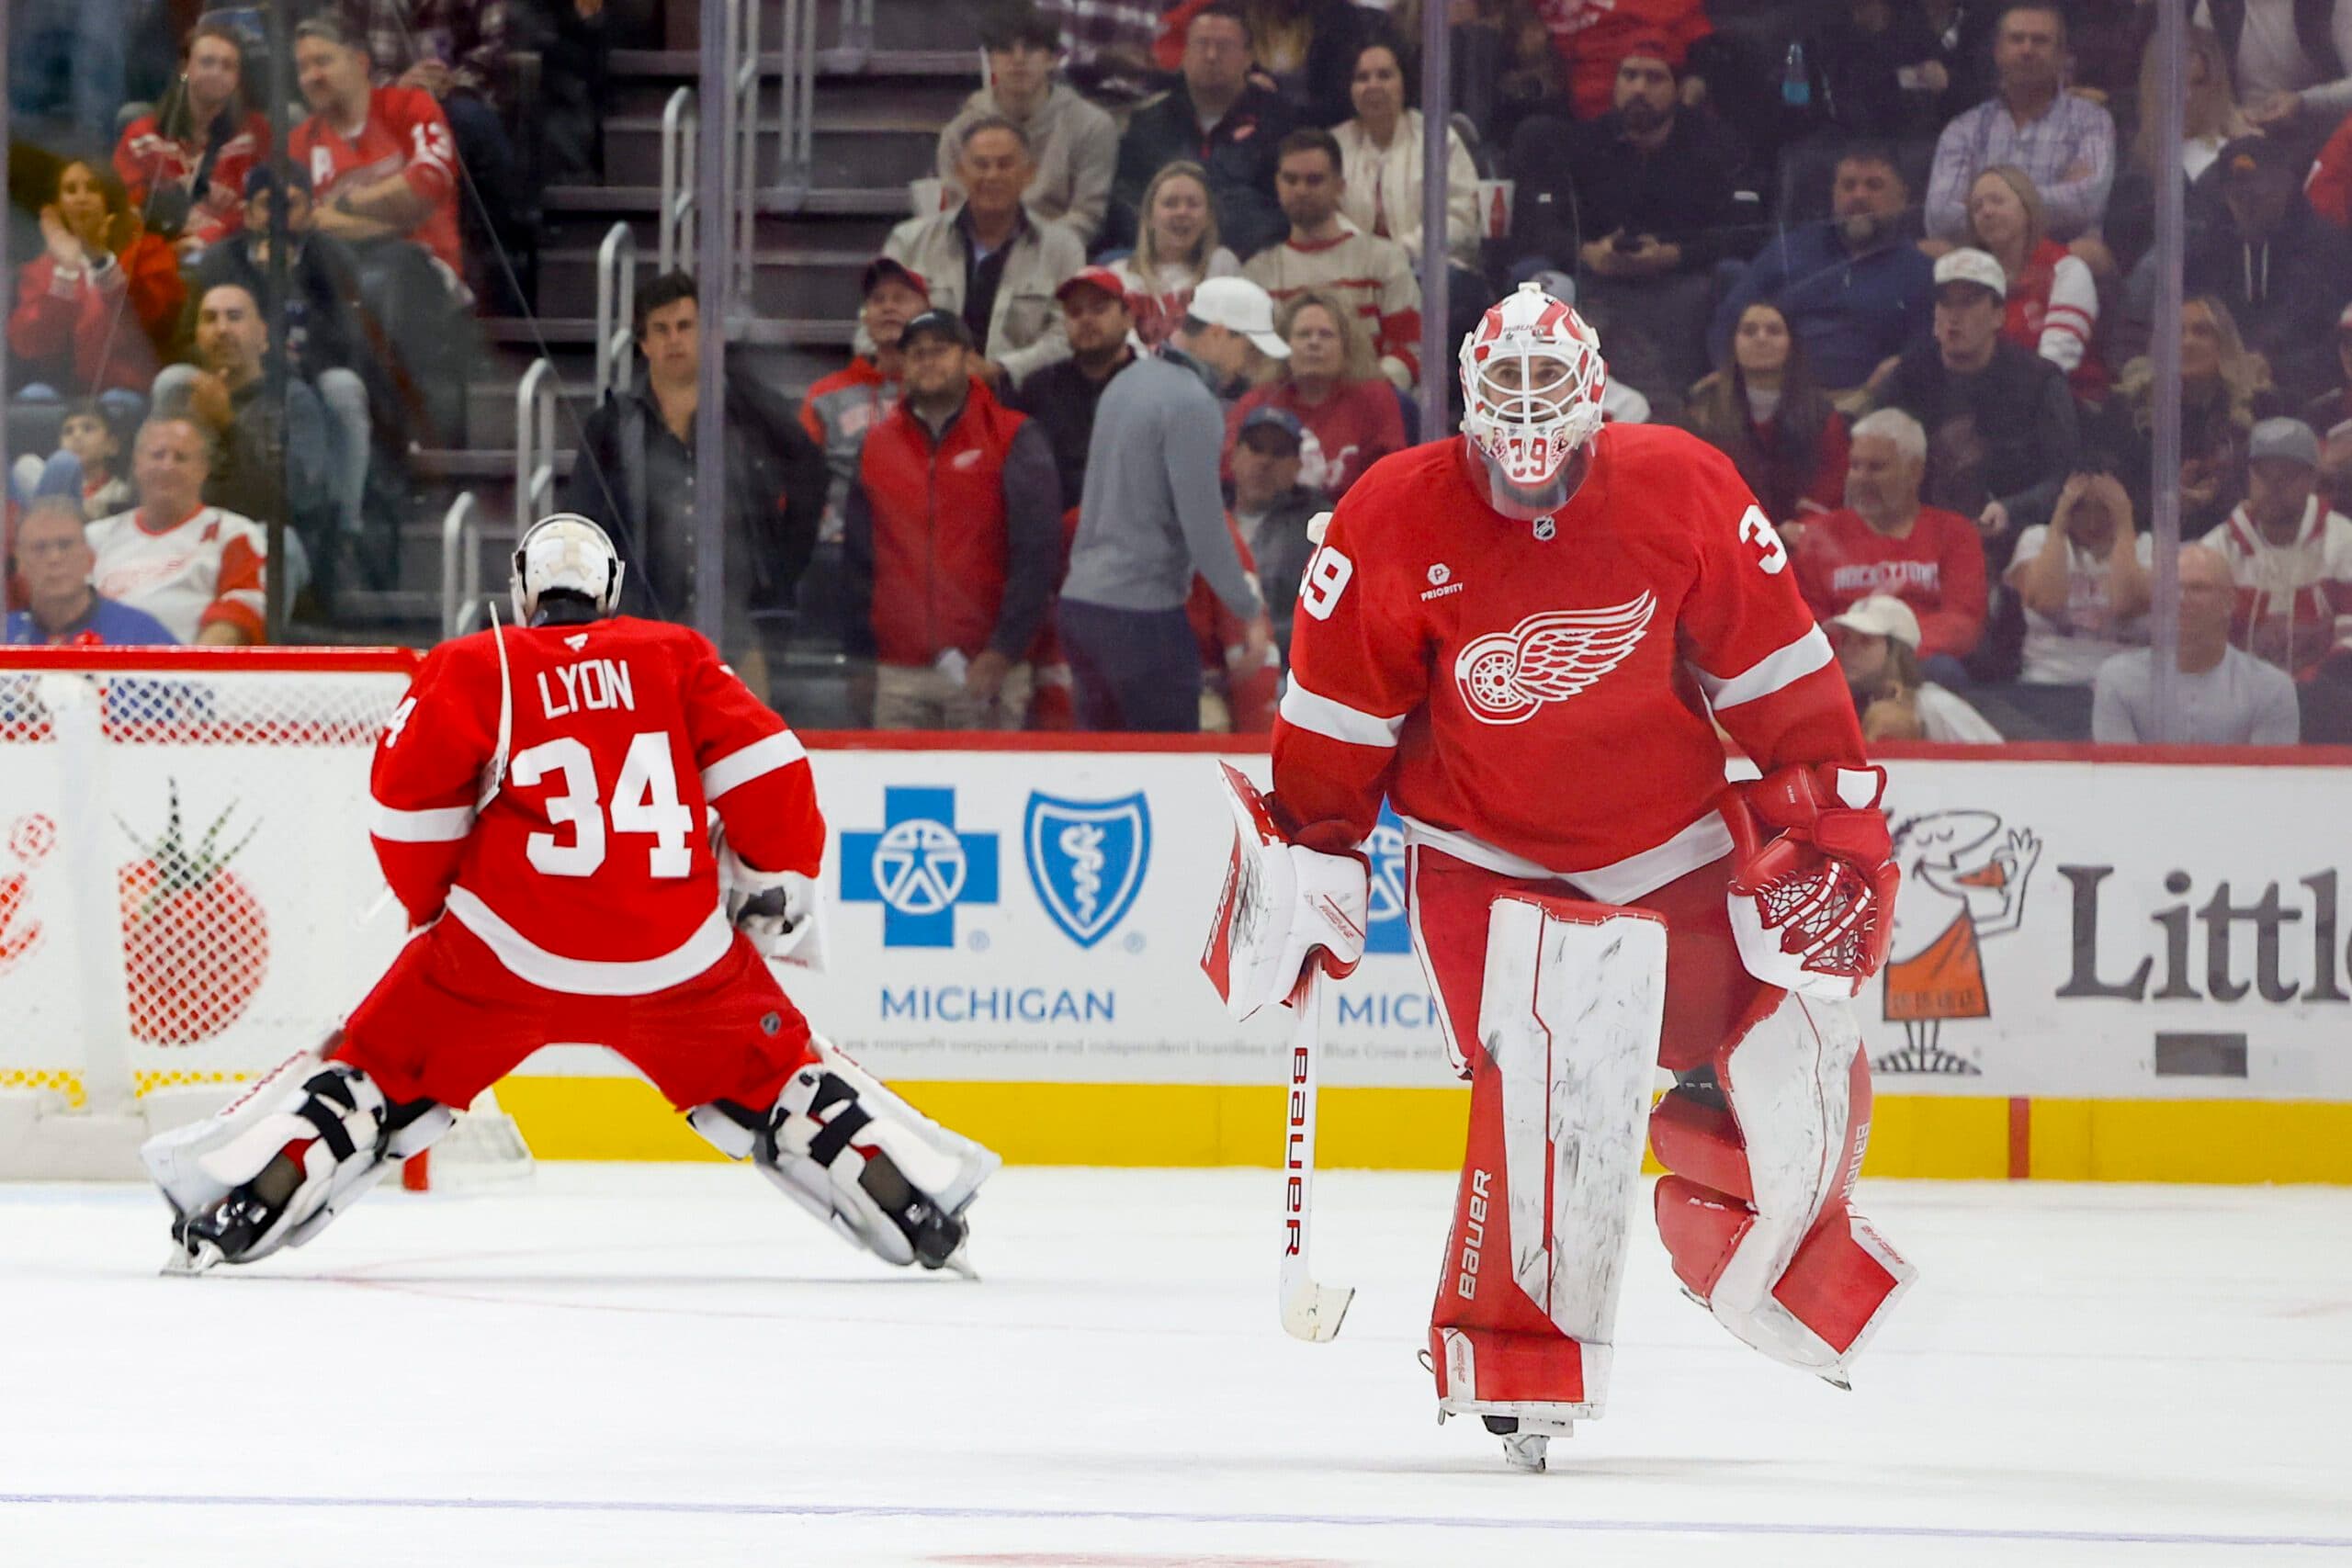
(1532, 383)
(565, 550)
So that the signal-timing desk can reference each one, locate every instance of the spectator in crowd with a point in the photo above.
(953, 538)
(2001, 414)
(2287, 56)
(1303, 49)
(384, 181)
(1152, 516)
(2332, 407)
(1853, 288)
(1593, 43)
(1381, 151)
(1075, 145)
(1638, 202)
(988, 260)
(2328, 188)
(184, 164)
(843, 407)
(1273, 509)
(2289, 555)
(1324, 253)
(1061, 399)
(53, 558)
(1875, 74)
(1331, 386)
(1106, 45)
(2225, 388)
(1176, 249)
(1216, 117)
(2064, 143)
(456, 52)
(326, 341)
(1764, 412)
(196, 569)
(1877, 638)
(98, 305)
(635, 477)
(2283, 272)
(2210, 119)
(88, 435)
(2226, 697)
(2084, 581)
(1885, 541)
(2053, 300)
(253, 432)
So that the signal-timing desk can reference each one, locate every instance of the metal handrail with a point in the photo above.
(796, 135)
(534, 401)
(681, 129)
(461, 563)
(616, 310)
(744, 148)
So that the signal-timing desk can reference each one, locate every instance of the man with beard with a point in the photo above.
(1854, 290)
(1062, 396)
(2064, 142)
(1636, 204)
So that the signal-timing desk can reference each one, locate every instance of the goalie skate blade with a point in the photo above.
(194, 1258)
(959, 1263)
(1316, 1312)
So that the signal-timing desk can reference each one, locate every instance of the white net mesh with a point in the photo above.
(186, 891)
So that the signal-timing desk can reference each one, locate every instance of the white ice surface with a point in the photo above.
(651, 1365)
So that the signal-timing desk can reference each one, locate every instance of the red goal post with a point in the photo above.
(187, 896)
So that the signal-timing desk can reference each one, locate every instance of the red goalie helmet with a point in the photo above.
(1531, 380)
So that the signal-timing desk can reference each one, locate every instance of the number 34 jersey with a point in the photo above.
(1535, 697)
(590, 872)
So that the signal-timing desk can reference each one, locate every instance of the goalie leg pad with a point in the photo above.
(275, 1166)
(1757, 1215)
(1567, 1026)
(841, 1146)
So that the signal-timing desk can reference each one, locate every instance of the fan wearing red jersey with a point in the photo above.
(541, 801)
(1524, 639)
(383, 162)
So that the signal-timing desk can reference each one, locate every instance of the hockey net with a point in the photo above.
(187, 896)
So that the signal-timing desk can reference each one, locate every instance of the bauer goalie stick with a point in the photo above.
(493, 773)
(1310, 1311)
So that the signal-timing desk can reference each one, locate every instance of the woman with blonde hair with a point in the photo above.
(1332, 386)
(2053, 301)
(2209, 118)
(2224, 388)
(1176, 250)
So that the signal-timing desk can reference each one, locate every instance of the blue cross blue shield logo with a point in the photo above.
(1390, 932)
(1087, 859)
(919, 867)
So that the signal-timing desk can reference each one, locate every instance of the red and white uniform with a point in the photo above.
(2294, 601)
(146, 159)
(405, 133)
(1371, 276)
(207, 567)
(583, 903)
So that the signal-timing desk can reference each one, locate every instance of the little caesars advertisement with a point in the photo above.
(2065, 928)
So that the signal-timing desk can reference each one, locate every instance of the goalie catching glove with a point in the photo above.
(1813, 908)
(781, 911)
(1284, 907)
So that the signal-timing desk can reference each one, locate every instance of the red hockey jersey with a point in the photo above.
(405, 135)
(1534, 697)
(590, 871)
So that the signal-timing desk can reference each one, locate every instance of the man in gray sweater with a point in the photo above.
(1152, 516)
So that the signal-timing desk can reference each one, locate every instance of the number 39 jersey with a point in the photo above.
(590, 872)
(1535, 697)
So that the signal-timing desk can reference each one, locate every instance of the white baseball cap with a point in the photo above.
(1967, 265)
(1238, 305)
(1881, 615)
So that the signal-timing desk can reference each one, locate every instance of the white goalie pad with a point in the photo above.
(1573, 1000)
(1283, 907)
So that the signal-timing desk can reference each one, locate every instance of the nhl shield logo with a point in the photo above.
(1086, 860)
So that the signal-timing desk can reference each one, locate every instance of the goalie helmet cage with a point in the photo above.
(187, 896)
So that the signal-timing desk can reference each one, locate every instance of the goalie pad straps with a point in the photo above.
(1569, 1013)
(1757, 1215)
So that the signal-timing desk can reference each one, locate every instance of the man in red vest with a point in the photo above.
(952, 542)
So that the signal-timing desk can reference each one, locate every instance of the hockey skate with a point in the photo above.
(1527, 1441)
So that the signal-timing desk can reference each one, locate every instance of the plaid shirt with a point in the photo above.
(470, 35)
(2069, 152)
(1093, 29)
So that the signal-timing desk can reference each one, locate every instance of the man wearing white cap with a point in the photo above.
(1878, 649)
(1152, 516)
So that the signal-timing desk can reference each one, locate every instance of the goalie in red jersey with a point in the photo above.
(1524, 638)
(541, 801)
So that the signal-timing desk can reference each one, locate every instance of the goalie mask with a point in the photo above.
(1532, 383)
(565, 550)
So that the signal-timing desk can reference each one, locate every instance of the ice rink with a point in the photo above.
(672, 1365)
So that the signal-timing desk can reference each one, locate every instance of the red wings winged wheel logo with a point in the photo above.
(1506, 676)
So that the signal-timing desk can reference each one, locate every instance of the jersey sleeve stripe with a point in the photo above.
(436, 826)
(1335, 720)
(1777, 670)
(779, 750)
